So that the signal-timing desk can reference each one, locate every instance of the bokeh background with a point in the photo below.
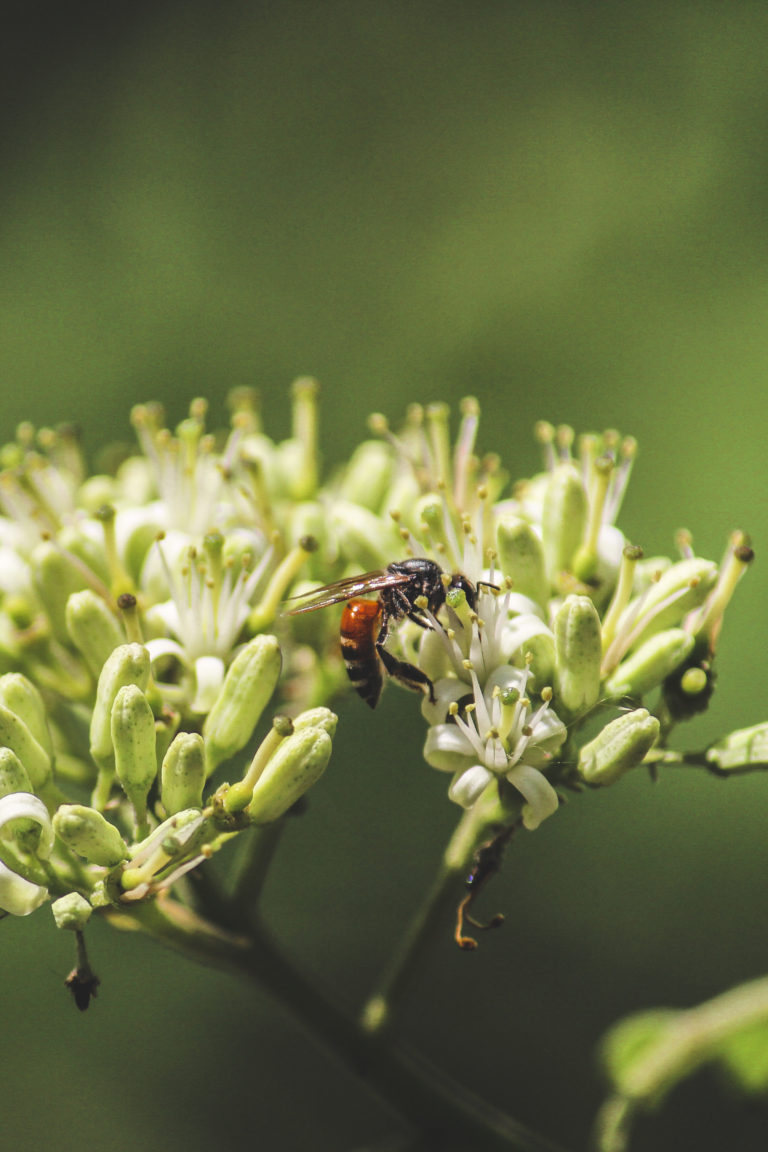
(561, 208)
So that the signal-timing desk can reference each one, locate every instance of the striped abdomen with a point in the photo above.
(360, 625)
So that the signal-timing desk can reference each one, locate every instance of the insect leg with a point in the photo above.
(408, 674)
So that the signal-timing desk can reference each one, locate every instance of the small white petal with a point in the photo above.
(135, 519)
(163, 646)
(154, 578)
(540, 796)
(166, 615)
(611, 542)
(433, 654)
(504, 678)
(524, 608)
(481, 715)
(495, 756)
(15, 576)
(549, 732)
(17, 895)
(446, 692)
(523, 629)
(209, 674)
(447, 749)
(468, 786)
(25, 805)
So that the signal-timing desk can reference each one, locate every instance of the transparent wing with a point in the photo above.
(345, 589)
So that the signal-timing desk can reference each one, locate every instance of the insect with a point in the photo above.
(365, 624)
(486, 862)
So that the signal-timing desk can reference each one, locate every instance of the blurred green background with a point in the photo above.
(561, 208)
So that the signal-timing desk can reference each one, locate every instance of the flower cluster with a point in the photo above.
(571, 626)
(142, 637)
(138, 653)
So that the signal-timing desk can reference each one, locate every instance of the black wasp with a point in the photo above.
(365, 624)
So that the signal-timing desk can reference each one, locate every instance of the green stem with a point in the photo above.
(443, 1110)
(380, 1010)
(612, 1126)
(254, 864)
(104, 781)
(432, 917)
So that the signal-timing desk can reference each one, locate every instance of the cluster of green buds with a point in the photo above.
(147, 822)
(143, 637)
(140, 648)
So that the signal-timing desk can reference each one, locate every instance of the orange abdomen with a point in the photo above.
(360, 623)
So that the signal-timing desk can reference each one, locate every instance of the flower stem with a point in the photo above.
(430, 919)
(259, 849)
(380, 1010)
(439, 1108)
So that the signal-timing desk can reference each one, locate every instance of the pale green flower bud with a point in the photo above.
(539, 649)
(245, 693)
(136, 479)
(21, 696)
(363, 538)
(239, 795)
(317, 718)
(92, 628)
(682, 588)
(403, 496)
(133, 739)
(166, 727)
(315, 629)
(96, 491)
(368, 475)
(578, 653)
(656, 659)
(297, 764)
(56, 579)
(621, 745)
(86, 549)
(564, 518)
(71, 912)
(137, 545)
(430, 513)
(182, 775)
(15, 734)
(90, 835)
(740, 750)
(128, 664)
(13, 775)
(309, 519)
(648, 570)
(521, 558)
(289, 470)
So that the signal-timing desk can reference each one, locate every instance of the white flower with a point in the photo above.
(500, 736)
(191, 478)
(18, 895)
(210, 602)
(504, 624)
